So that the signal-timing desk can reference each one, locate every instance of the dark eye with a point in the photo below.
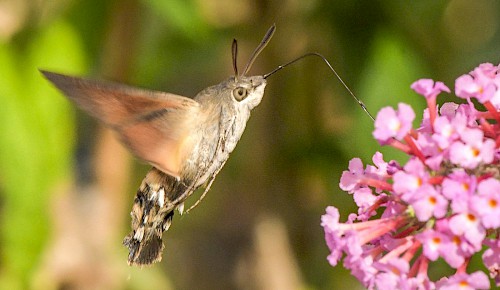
(240, 93)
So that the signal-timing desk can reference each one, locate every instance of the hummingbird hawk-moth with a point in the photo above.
(186, 140)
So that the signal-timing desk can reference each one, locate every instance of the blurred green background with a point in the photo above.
(66, 186)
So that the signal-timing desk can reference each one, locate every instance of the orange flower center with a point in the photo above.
(471, 217)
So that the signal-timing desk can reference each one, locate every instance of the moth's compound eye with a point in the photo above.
(240, 93)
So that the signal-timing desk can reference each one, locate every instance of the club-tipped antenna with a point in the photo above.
(258, 50)
(361, 104)
(234, 50)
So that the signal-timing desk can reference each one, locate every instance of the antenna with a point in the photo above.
(234, 50)
(258, 50)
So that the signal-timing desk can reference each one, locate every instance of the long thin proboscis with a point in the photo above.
(258, 50)
(361, 104)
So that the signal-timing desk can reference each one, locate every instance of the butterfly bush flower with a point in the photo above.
(442, 204)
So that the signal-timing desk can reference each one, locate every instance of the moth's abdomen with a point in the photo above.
(154, 205)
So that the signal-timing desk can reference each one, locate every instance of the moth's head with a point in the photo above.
(248, 90)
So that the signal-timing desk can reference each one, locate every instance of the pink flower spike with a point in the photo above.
(442, 203)
(391, 124)
(430, 90)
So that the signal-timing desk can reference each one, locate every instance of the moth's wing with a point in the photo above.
(156, 126)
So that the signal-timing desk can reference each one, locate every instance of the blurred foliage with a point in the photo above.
(36, 144)
(298, 140)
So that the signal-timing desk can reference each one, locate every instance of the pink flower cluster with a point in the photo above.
(444, 203)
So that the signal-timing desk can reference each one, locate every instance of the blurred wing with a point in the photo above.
(156, 126)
